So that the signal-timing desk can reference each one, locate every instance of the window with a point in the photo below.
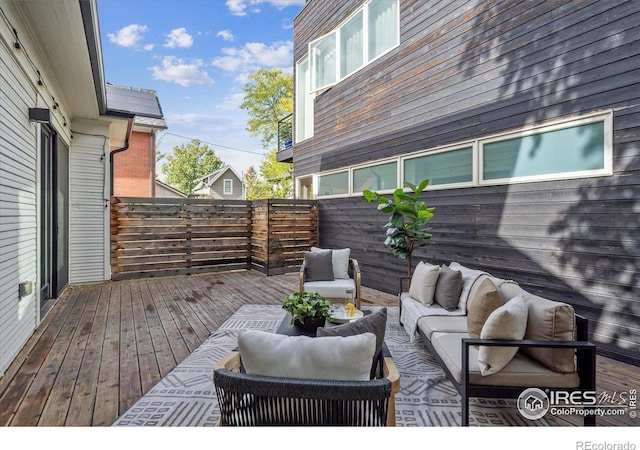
(333, 184)
(381, 177)
(305, 188)
(304, 102)
(228, 186)
(351, 45)
(570, 150)
(445, 167)
(323, 62)
(371, 32)
(384, 27)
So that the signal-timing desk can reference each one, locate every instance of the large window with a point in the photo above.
(333, 184)
(381, 177)
(445, 167)
(573, 148)
(546, 153)
(304, 102)
(368, 34)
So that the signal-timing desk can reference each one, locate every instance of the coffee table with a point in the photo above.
(291, 330)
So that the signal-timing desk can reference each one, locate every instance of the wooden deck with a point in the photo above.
(103, 346)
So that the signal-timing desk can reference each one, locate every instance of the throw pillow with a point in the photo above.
(340, 259)
(329, 358)
(375, 323)
(423, 283)
(448, 288)
(318, 266)
(486, 300)
(507, 322)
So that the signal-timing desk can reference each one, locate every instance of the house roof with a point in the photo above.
(128, 100)
(211, 178)
(171, 188)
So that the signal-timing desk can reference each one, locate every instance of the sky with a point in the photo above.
(197, 55)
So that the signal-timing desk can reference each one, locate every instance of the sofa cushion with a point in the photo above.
(442, 324)
(548, 320)
(486, 299)
(330, 358)
(340, 260)
(518, 372)
(448, 288)
(470, 279)
(332, 289)
(423, 282)
(506, 322)
(375, 323)
(318, 266)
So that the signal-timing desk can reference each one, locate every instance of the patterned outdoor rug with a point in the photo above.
(186, 397)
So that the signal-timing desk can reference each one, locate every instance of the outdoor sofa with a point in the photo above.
(494, 339)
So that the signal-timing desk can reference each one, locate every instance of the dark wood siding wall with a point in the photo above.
(466, 70)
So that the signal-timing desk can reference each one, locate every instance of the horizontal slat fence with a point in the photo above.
(154, 237)
(281, 231)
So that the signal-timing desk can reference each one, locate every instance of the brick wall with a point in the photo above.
(134, 169)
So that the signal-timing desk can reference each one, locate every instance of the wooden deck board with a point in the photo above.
(103, 346)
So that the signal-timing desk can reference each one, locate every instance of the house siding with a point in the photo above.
(89, 183)
(18, 190)
(467, 70)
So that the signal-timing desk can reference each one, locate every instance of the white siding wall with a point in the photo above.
(18, 206)
(89, 223)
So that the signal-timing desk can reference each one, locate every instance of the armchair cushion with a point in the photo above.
(319, 266)
(506, 322)
(340, 260)
(331, 289)
(330, 358)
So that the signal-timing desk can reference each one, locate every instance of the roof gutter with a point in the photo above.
(89, 12)
(118, 150)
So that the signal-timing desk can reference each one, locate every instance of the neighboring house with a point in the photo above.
(163, 190)
(525, 116)
(134, 168)
(57, 135)
(223, 184)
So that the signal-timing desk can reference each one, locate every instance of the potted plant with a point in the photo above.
(309, 310)
(407, 228)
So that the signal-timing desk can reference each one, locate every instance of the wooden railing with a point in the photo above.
(152, 237)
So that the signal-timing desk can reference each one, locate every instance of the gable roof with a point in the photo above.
(143, 103)
(211, 178)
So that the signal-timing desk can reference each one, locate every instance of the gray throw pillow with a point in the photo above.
(448, 288)
(319, 266)
(375, 323)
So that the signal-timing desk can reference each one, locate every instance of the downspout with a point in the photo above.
(118, 150)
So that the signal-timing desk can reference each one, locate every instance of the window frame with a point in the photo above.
(224, 186)
(607, 118)
(309, 103)
(332, 172)
(369, 164)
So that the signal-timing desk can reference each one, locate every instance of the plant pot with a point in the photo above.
(311, 323)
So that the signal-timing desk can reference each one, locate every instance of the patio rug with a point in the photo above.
(186, 396)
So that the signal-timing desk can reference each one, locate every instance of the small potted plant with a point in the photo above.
(309, 310)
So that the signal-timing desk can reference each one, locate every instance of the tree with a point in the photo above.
(407, 227)
(188, 163)
(273, 181)
(268, 98)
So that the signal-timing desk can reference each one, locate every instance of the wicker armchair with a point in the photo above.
(254, 400)
(336, 290)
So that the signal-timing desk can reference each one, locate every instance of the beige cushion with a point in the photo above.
(423, 283)
(332, 289)
(442, 324)
(329, 358)
(506, 322)
(520, 371)
(340, 258)
(487, 299)
(548, 320)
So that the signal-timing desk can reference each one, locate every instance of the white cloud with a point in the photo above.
(239, 7)
(225, 35)
(179, 38)
(148, 47)
(255, 55)
(232, 102)
(175, 70)
(128, 36)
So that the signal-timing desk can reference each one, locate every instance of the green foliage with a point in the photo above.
(275, 179)
(188, 163)
(306, 304)
(268, 98)
(407, 228)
